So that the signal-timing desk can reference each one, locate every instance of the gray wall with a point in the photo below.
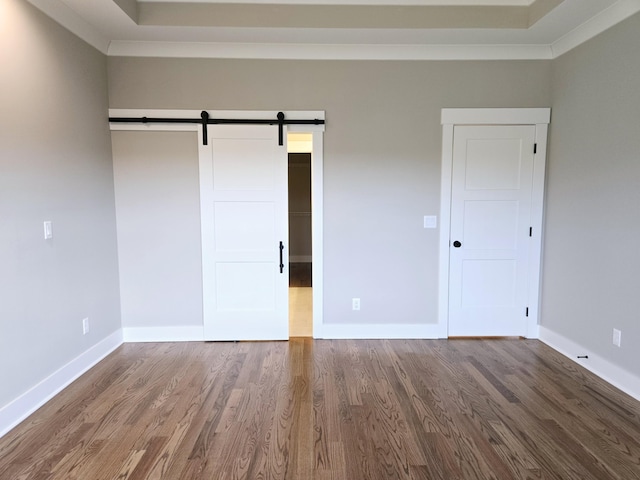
(55, 164)
(158, 211)
(592, 259)
(382, 154)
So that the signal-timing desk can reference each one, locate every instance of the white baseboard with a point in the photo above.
(27, 403)
(163, 334)
(379, 331)
(596, 364)
(19, 409)
(328, 331)
(300, 258)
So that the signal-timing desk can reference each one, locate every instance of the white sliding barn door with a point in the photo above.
(490, 243)
(245, 218)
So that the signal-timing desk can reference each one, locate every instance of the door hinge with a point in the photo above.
(535, 148)
(531, 231)
(526, 312)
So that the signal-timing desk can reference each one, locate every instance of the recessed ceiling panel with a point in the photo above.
(345, 16)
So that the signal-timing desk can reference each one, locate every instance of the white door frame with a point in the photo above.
(451, 117)
(317, 184)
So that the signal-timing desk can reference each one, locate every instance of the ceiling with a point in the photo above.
(338, 29)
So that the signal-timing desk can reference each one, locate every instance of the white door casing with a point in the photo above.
(492, 195)
(246, 292)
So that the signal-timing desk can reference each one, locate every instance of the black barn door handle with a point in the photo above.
(281, 259)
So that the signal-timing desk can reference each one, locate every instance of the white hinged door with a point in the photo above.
(491, 192)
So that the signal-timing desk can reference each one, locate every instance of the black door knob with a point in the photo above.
(457, 244)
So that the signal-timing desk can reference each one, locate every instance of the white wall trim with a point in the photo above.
(191, 333)
(299, 51)
(450, 117)
(495, 116)
(596, 364)
(153, 127)
(446, 172)
(19, 409)
(606, 19)
(317, 230)
(537, 222)
(362, 331)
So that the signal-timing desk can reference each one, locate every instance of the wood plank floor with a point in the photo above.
(300, 312)
(344, 410)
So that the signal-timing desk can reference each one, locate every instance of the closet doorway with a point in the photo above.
(300, 146)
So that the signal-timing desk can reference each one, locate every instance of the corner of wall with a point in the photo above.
(27, 403)
(596, 364)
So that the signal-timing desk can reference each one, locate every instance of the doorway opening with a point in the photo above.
(300, 146)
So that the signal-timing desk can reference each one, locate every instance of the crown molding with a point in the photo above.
(606, 19)
(279, 51)
(511, 3)
(73, 22)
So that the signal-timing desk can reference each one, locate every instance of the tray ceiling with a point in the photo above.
(352, 29)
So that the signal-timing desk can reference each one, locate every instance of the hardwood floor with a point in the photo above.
(300, 312)
(344, 410)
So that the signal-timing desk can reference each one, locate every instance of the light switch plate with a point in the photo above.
(617, 337)
(430, 221)
(48, 230)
